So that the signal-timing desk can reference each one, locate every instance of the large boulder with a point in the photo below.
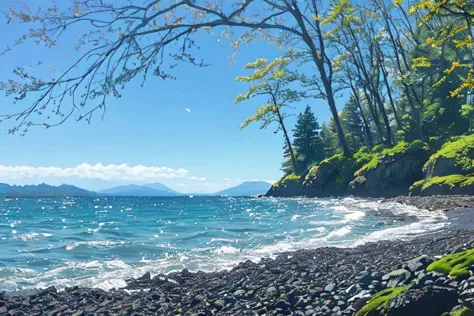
(426, 301)
(401, 301)
(391, 172)
(454, 157)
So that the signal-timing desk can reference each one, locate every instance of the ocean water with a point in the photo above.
(99, 242)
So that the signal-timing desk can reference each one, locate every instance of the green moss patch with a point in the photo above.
(312, 172)
(381, 299)
(461, 312)
(455, 265)
(291, 179)
(402, 148)
(344, 166)
(455, 180)
(460, 150)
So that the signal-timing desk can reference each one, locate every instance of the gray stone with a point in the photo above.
(239, 293)
(352, 290)
(283, 305)
(418, 263)
(330, 287)
(272, 291)
(398, 275)
(364, 278)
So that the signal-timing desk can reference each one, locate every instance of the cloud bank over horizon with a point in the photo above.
(112, 172)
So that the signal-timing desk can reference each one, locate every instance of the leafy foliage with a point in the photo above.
(307, 142)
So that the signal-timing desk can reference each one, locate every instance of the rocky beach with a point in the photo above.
(323, 281)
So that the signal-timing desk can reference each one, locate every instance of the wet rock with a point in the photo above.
(272, 291)
(364, 278)
(396, 277)
(239, 293)
(352, 290)
(418, 263)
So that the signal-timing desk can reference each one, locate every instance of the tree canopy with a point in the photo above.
(405, 70)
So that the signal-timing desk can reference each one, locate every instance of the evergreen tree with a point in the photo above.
(307, 141)
(352, 125)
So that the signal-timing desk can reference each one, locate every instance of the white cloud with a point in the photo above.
(227, 179)
(188, 110)
(97, 171)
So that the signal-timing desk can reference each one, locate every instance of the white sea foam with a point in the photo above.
(95, 243)
(227, 250)
(339, 232)
(353, 216)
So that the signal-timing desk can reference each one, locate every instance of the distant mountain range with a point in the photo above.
(43, 190)
(250, 188)
(154, 189)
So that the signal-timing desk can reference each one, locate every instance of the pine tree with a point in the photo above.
(329, 138)
(307, 141)
(352, 125)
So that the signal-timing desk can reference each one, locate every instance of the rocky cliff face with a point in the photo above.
(392, 176)
(330, 178)
(404, 169)
(289, 186)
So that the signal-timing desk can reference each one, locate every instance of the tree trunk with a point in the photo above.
(287, 139)
(389, 91)
(364, 119)
(319, 60)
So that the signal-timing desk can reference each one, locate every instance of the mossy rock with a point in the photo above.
(454, 157)
(330, 177)
(381, 300)
(288, 186)
(390, 171)
(464, 311)
(455, 265)
(447, 185)
(401, 149)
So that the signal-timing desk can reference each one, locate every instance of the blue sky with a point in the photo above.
(183, 133)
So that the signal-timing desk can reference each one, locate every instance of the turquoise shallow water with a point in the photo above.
(100, 242)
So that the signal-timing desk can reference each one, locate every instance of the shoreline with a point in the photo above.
(290, 283)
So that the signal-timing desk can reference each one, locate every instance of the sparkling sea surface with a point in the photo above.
(99, 242)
